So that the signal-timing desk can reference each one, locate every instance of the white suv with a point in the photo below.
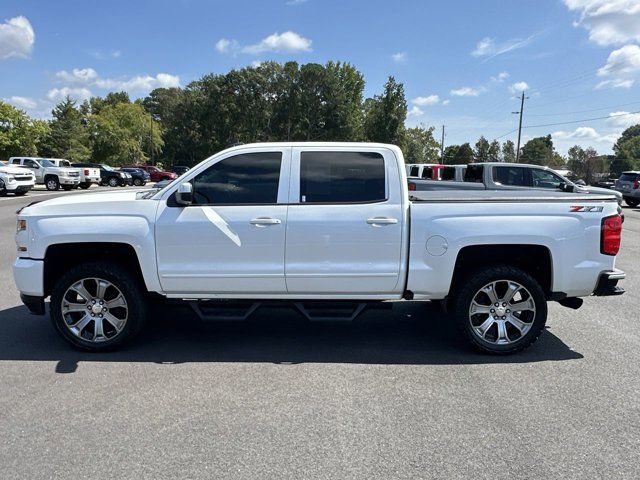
(48, 174)
(15, 180)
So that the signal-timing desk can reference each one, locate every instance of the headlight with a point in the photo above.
(11, 178)
(22, 225)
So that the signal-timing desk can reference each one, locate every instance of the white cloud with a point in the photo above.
(467, 91)
(16, 38)
(415, 112)
(24, 103)
(426, 101)
(501, 77)
(518, 87)
(78, 75)
(293, 3)
(585, 137)
(101, 55)
(59, 94)
(616, 83)
(445, 102)
(622, 65)
(89, 77)
(488, 47)
(399, 57)
(285, 42)
(623, 119)
(609, 22)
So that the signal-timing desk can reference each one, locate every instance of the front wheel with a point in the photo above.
(52, 184)
(501, 309)
(632, 203)
(98, 306)
(113, 182)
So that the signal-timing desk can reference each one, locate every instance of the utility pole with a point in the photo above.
(519, 127)
(442, 145)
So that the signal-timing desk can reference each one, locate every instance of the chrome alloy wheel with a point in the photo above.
(502, 312)
(94, 310)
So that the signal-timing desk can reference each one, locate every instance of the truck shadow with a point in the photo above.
(412, 333)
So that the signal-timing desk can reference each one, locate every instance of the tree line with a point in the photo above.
(268, 102)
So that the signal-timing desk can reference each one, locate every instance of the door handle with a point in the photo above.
(382, 221)
(264, 221)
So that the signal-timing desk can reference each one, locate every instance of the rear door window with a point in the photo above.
(448, 173)
(342, 177)
(473, 174)
(512, 176)
(629, 177)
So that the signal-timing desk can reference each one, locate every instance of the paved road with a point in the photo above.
(394, 395)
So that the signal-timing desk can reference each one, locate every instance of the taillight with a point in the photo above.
(610, 235)
(412, 187)
(86, 171)
(636, 184)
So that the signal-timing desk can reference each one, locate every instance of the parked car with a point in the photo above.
(48, 174)
(15, 180)
(179, 169)
(140, 177)
(109, 175)
(509, 176)
(155, 173)
(328, 227)
(87, 175)
(605, 183)
(629, 186)
(427, 171)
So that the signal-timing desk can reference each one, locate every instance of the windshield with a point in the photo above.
(46, 163)
(107, 167)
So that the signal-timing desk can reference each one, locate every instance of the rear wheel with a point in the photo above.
(632, 203)
(137, 182)
(85, 185)
(68, 187)
(98, 306)
(501, 309)
(20, 193)
(51, 183)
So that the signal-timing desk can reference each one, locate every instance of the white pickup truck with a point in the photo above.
(88, 175)
(48, 174)
(329, 228)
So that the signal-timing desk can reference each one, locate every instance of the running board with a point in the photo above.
(330, 311)
(223, 311)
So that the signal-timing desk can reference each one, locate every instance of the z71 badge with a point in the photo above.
(585, 208)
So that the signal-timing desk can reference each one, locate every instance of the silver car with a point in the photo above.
(629, 186)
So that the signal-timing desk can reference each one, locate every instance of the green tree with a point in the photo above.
(69, 135)
(586, 163)
(629, 134)
(540, 151)
(420, 146)
(627, 151)
(481, 151)
(458, 154)
(508, 152)
(124, 133)
(385, 114)
(494, 151)
(19, 135)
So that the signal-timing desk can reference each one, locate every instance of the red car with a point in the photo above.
(155, 173)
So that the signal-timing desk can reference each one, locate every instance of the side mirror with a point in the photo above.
(184, 194)
(566, 187)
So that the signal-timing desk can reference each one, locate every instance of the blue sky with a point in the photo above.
(463, 63)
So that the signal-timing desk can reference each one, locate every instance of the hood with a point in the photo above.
(601, 191)
(86, 204)
(15, 170)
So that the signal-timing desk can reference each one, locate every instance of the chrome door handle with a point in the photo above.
(264, 221)
(382, 221)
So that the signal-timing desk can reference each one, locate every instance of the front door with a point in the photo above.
(344, 227)
(231, 239)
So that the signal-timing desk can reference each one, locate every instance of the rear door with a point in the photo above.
(345, 223)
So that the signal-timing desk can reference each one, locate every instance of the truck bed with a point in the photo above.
(503, 196)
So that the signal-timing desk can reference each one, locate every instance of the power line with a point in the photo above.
(581, 120)
(505, 134)
(581, 111)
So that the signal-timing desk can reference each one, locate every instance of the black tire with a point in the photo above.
(471, 286)
(67, 188)
(137, 182)
(632, 203)
(85, 185)
(3, 189)
(131, 288)
(19, 194)
(113, 182)
(51, 183)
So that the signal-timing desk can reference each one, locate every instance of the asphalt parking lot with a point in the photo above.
(396, 394)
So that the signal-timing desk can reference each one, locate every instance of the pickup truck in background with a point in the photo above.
(427, 171)
(109, 175)
(48, 174)
(88, 175)
(506, 176)
(15, 180)
(328, 228)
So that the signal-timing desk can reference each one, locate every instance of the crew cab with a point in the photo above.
(15, 180)
(506, 176)
(329, 228)
(48, 174)
(88, 175)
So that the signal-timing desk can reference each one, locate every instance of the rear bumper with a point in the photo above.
(608, 283)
